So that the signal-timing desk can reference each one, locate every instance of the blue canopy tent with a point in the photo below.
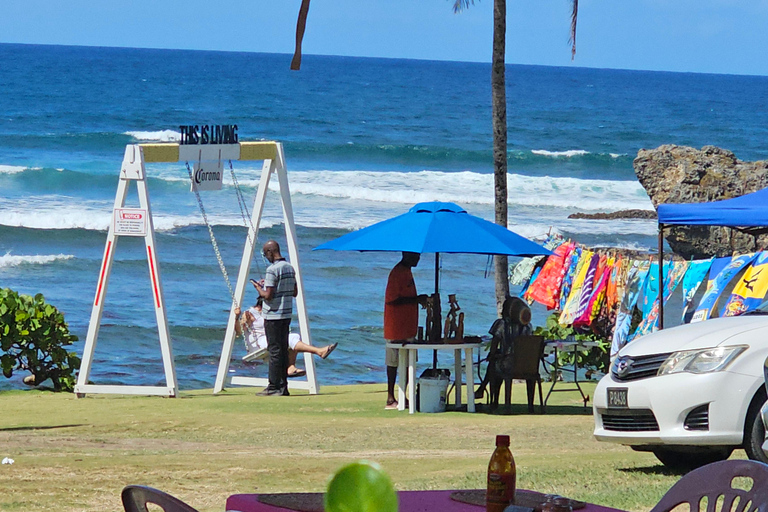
(749, 210)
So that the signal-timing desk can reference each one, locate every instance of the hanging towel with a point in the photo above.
(750, 291)
(697, 270)
(635, 282)
(715, 286)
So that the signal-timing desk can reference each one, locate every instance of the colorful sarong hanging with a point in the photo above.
(587, 287)
(606, 318)
(597, 300)
(520, 272)
(568, 313)
(635, 282)
(715, 286)
(570, 272)
(546, 289)
(693, 278)
(751, 289)
(651, 290)
(673, 274)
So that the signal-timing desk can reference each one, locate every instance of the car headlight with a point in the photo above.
(701, 361)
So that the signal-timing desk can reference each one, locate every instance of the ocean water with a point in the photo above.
(365, 139)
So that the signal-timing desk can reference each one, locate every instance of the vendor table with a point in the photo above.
(567, 345)
(410, 501)
(407, 360)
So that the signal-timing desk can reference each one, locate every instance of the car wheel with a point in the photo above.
(687, 460)
(754, 430)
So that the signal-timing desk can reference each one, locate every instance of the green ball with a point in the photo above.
(361, 487)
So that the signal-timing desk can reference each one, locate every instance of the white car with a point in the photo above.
(690, 394)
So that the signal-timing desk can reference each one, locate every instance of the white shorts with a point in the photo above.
(391, 357)
(261, 342)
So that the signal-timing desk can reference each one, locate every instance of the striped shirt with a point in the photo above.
(281, 277)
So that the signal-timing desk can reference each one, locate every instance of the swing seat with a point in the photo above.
(256, 355)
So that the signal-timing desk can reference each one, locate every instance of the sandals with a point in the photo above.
(331, 348)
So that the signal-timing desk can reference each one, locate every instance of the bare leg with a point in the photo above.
(391, 379)
(303, 347)
(292, 361)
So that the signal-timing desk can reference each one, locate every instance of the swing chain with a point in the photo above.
(213, 238)
(242, 204)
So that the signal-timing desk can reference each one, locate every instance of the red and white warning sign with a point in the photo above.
(130, 222)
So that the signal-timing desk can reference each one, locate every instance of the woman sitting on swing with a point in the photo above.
(252, 324)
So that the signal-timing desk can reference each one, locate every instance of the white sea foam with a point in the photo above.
(9, 260)
(331, 192)
(355, 199)
(559, 154)
(157, 136)
(47, 212)
(15, 169)
(469, 188)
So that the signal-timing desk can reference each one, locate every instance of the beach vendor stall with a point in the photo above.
(436, 227)
(745, 213)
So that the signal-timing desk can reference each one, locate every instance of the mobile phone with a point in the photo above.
(254, 282)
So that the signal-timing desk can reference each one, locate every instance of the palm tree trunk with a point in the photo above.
(499, 113)
(301, 25)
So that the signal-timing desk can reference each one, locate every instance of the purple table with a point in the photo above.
(410, 501)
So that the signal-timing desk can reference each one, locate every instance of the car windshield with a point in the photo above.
(762, 309)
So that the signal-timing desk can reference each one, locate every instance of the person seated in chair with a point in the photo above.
(251, 324)
(515, 321)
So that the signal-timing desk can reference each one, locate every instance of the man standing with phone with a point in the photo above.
(278, 289)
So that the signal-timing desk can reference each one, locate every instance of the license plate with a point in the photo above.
(617, 397)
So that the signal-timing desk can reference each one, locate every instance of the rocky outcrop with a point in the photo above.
(680, 174)
(621, 214)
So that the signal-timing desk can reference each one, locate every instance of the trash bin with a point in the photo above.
(433, 386)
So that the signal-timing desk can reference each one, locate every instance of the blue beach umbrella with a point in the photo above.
(437, 227)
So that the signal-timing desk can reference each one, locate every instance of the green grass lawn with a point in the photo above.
(77, 454)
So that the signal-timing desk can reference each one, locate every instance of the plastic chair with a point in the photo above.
(715, 482)
(136, 497)
(528, 352)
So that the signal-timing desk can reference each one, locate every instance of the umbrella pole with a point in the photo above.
(437, 290)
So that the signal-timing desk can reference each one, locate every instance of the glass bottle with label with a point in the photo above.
(502, 477)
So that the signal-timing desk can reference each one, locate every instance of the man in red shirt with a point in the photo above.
(401, 315)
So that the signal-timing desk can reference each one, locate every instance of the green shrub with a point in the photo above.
(594, 359)
(33, 335)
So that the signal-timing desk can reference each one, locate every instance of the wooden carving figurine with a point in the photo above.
(433, 323)
(454, 324)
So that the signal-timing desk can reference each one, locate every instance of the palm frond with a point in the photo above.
(572, 40)
(460, 5)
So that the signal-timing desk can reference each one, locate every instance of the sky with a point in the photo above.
(708, 36)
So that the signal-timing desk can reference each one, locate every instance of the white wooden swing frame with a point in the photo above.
(136, 156)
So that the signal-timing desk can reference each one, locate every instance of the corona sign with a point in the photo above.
(207, 176)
